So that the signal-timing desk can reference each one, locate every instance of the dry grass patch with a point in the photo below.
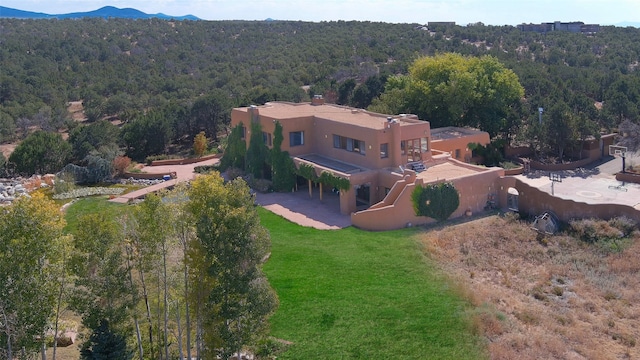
(543, 297)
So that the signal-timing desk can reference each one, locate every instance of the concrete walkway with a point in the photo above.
(183, 173)
(299, 208)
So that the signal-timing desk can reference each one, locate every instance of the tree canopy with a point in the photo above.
(41, 153)
(454, 90)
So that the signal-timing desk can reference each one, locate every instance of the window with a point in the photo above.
(414, 147)
(384, 151)
(457, 153)
(349, 144)
(266, 137)
(243, 133)
(296, 138)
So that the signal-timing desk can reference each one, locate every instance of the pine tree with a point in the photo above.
(105, 344)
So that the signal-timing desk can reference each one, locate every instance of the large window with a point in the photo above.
(266, 137)
(384, 151)
(414, 147)
(296, 138)
(349, 144)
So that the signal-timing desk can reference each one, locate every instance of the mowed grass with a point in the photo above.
(92, 205)
(352, 294)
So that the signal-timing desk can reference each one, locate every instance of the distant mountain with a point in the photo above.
(105, 12)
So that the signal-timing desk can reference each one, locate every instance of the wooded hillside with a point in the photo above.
(121, 67)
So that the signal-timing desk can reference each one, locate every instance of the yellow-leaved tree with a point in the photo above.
(33, 252)
(200, 144)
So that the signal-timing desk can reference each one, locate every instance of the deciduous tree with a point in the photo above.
(233, 245)
(200, 144)
(31, 250)
(452, 90)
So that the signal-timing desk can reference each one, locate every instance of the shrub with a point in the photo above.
(260, 185)
(234, 172)
(120, 164)
(508, 165)
(64, 182)
(437, 201)
(595, 230)
(204, 169)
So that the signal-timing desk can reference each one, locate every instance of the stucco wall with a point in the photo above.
(474, 190)
(535, 202)
(460, 144)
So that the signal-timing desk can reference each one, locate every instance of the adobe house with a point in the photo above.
(383, 156)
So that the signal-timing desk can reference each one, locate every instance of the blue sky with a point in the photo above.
(490, 12)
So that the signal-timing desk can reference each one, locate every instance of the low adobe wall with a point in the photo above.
(628, 177)
(184, 161)
(148, 176)
(516, 171)
(560, 167)
(534, 201)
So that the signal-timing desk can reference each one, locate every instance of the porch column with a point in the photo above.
(348, 201)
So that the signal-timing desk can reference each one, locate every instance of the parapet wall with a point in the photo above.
(534, 201)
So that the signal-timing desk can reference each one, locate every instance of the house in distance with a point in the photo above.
(384, 157)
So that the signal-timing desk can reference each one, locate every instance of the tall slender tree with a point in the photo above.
(31, 248)
(233, 245)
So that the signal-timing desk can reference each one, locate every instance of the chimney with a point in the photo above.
(253, 113)
(317, 100)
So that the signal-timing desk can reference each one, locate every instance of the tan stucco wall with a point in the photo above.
(319, 131)
(535, 202)
(461, 144)
(395, 213)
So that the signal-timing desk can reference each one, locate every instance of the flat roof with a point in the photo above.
(342, 114)
(447, 171)
(331, 163)
(451, 132)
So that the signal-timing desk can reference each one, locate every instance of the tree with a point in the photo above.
(236, 150)
(629, 136)
(31, 253)
(283, 169)
(41, 153)
(104, 343)
(147, 135)
(257, 152)
(101, 276)
(452, 90)
(200, 144)
(210, 113)
(233, 247)
(560, 129)
(92, 138)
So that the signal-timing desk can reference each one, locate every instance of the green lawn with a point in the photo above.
(351, 294)
(92, 205)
